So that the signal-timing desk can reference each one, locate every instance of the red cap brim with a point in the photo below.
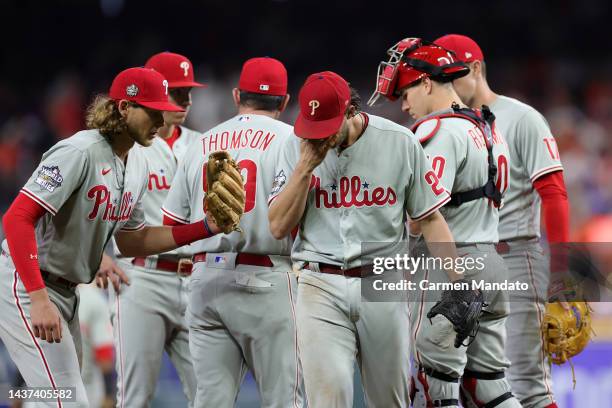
(322, 129)
(162, 106)
(186, 84)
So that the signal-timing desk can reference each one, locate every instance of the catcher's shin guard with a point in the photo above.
(432, 389)
(486, 390)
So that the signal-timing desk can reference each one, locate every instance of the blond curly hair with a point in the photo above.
(103, 114)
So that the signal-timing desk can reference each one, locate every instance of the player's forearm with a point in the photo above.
(154, 240)
(440, 241)
(19, 227)
(288, 207)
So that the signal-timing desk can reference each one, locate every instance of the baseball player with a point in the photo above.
(325, 184)
(242, 292)
(86, 189)
(536, 180)
(468, 158)
(97, 345)
(149, 316)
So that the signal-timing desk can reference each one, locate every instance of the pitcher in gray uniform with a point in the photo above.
(326, 185)
(242, 292)
(535, 169)
(149, 316)
(466, 153)
(86, 189)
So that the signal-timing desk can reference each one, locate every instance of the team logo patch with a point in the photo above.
(49, 178)
(131, 90)
(279, 181)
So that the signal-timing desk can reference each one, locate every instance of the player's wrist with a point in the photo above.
(304, 169)
(39, 296)
(210, 227)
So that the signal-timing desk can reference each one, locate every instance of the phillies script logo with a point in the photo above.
(113, 210)
(351, 193)
(158, 181)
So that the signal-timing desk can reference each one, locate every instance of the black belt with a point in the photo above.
(450, 402)
(49, 277)
(495, 375)
(438, 375)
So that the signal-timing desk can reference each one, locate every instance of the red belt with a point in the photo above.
(502, 247)
(182, 267)
(241, 259)
(337, 270)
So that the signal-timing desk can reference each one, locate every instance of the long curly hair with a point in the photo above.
(103, 114)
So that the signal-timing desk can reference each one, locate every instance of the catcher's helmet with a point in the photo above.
(412, 59)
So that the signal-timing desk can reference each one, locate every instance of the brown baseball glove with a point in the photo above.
(225, 196)
(566, 332)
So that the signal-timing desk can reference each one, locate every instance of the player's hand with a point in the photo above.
(45, 317)
(313, 152)
(110, 271)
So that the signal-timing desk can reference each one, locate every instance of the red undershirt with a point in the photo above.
(176, 133)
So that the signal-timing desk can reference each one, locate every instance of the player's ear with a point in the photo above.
(284, 103)
(428, 84)
(477, 68)
(123, 106)
(236, 96)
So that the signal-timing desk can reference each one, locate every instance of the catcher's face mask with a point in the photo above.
(386, 77)
(409, 61)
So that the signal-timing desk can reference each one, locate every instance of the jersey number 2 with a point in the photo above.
(250, 186)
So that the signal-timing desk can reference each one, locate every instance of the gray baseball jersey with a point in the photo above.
(149, 315)
(163, 162)
(348, 194)
(249, 139)
(89, 194)
(458, 154)
(533, 153)
(224, 336)
(352, 201)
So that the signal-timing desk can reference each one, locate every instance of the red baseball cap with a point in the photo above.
(145, 87)
(177, 69)
(464, 47)
(264, 75)
(323, 99)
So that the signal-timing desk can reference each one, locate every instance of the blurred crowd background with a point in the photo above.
(56, 55)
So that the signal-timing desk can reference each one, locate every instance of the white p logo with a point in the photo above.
(165, 84)
(314, 104)
(185, 66)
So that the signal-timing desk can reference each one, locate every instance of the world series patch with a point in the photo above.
(279, 181)
(49, 178)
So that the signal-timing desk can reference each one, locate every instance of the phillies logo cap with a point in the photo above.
(177, 69)
(464, 47)
(145, 87)
(323, 100)
(264, 75)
